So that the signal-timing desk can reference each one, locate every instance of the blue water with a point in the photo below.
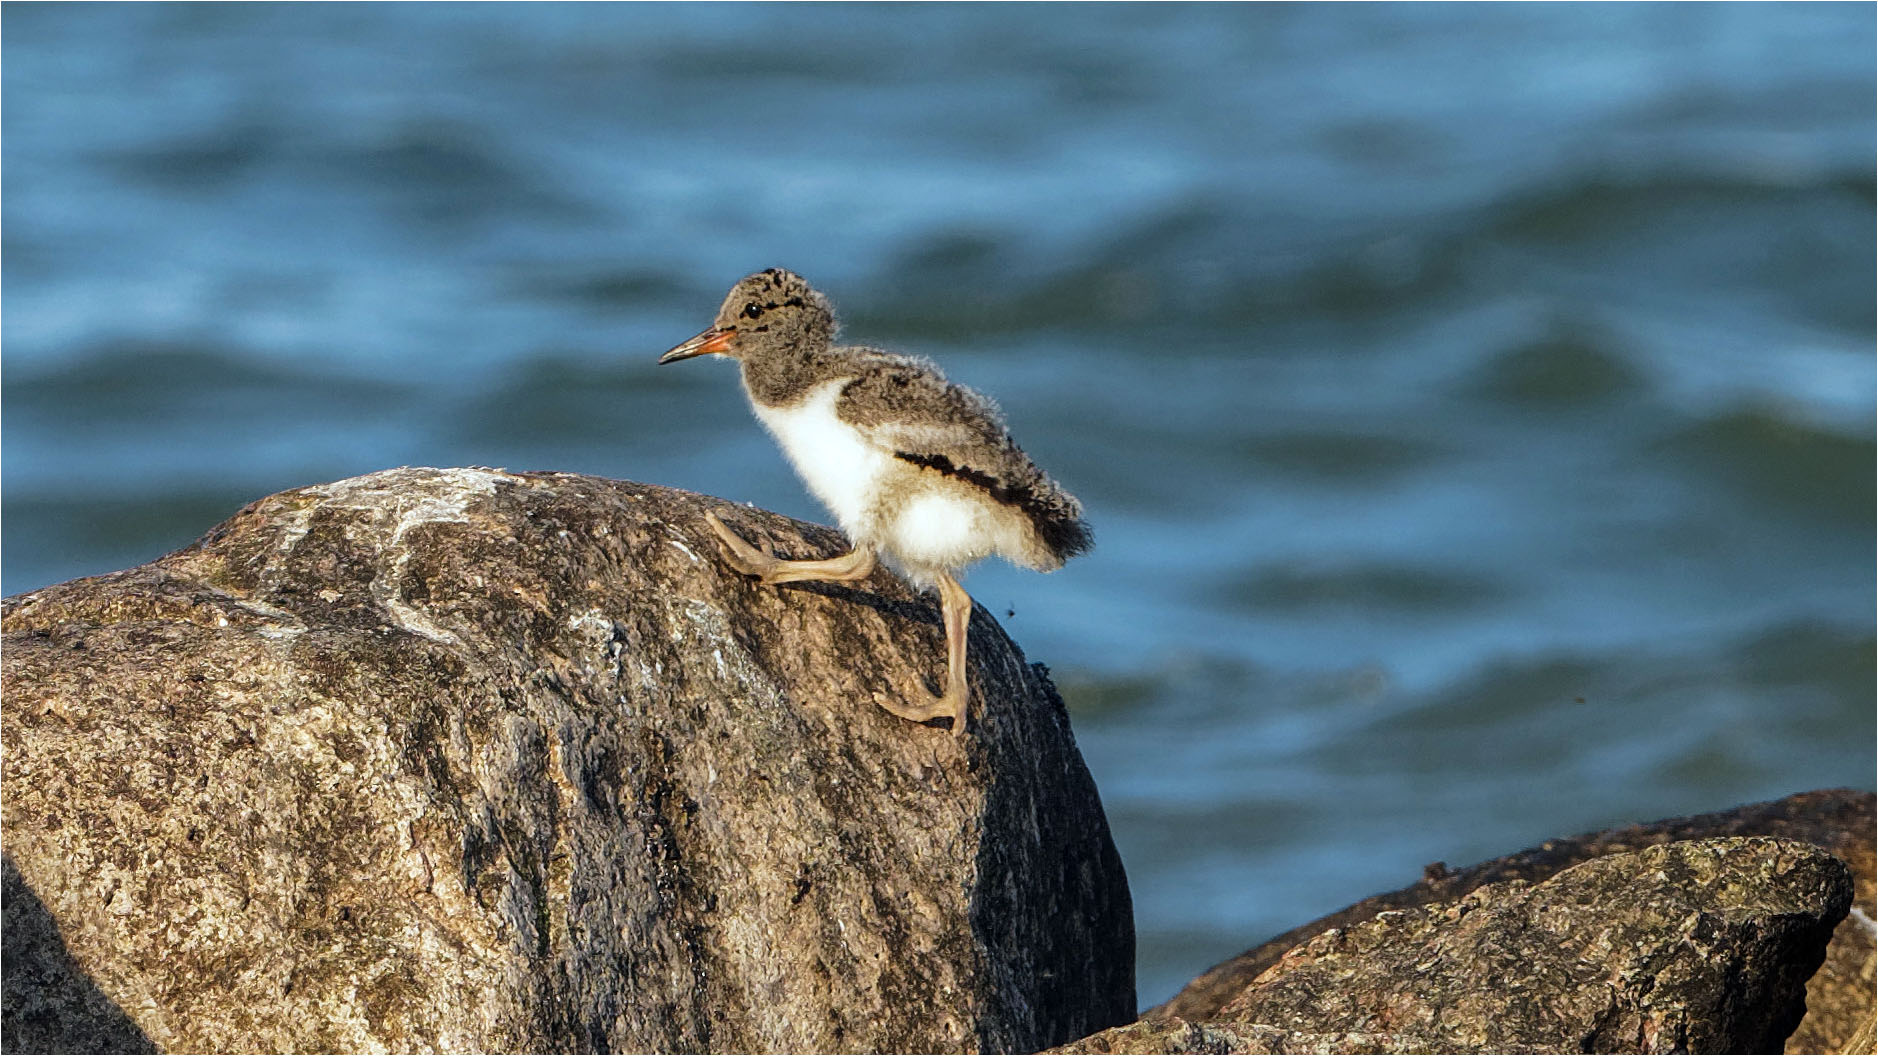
(1474, 404)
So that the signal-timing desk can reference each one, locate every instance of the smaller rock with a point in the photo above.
(1175, 1035)
(1695, 946)
(1840, 821)
(1702, 946)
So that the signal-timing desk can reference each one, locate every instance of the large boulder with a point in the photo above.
(1699, 946)
(474, 760)
(1840, 821)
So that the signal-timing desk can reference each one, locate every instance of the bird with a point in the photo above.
(920, 472)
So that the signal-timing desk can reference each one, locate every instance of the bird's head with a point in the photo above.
(770, 313)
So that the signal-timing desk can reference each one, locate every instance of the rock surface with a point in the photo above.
(1175, 1035)
(1840, 821)
(473, 760)
(1700, 946)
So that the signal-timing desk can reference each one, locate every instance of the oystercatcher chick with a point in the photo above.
(919, 471)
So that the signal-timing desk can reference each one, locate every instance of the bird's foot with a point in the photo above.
(856, 564)
(953, 705)
(741, 555)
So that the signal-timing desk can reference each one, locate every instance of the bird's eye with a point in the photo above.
(751, 311)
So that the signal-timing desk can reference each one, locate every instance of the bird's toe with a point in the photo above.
(738, 554)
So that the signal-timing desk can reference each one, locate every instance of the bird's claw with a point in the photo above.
(936, 707)
(960, 710)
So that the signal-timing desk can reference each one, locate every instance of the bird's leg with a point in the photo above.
(856, 564)
(956, 608)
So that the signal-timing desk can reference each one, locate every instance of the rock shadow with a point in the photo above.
(49, 1004)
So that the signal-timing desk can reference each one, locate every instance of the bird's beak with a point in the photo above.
(712, 342)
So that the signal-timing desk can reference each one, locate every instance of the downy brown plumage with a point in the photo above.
(915, 468)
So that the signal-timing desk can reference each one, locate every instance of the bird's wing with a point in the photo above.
(904, 405)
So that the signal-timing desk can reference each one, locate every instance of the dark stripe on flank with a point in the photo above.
(1065, 536)
(1007, 495)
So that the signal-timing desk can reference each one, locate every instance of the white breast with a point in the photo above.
(833, 459)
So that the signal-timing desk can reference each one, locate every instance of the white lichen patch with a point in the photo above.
(693, 619)
(397, 501)
(648, 676)
(593, 624)
(604, 638)
(443, 488)
(695, 625)
(404, 614)
(295, 528)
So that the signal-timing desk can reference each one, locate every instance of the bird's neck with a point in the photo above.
(783, 379)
